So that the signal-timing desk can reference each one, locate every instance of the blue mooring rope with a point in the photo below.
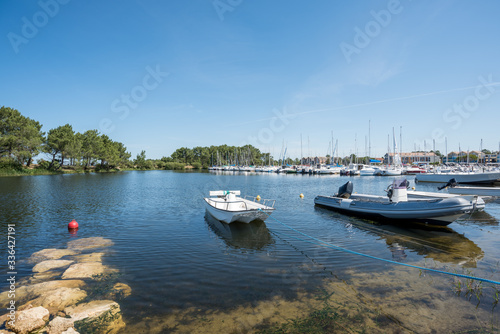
(328, 245)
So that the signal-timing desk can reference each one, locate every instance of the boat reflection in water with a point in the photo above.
(441, 244)
(254, 235)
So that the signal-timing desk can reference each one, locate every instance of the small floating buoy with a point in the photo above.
(412, 188)
(301, 195)
(73, 225)
(257, 198)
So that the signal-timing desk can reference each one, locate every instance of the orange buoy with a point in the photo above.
(73, 225)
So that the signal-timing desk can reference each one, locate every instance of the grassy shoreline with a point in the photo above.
(34, 171)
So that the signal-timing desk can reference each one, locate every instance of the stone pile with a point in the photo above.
(55, 299)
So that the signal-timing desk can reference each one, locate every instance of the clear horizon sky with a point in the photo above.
(160, 75)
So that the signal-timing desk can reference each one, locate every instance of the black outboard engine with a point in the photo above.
(452, 183)
(345, 191)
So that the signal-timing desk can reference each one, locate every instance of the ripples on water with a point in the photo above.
(177, 257)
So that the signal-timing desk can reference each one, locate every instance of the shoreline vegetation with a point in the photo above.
(66, 151)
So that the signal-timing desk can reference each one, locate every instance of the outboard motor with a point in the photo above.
(397, 191)
(452, 183)
(345, 191)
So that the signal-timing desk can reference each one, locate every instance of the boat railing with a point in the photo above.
(266, 202)
(225, 205)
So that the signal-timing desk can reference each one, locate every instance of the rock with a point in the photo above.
(86, 270)
(4, 331)
(121, 290)
(50, 264)
(60, 325)
(50, 254)
(104, 313)
(70, 331)
(29, 320)
(92, 257)
(44, 276)
(27, 292)
(59, 299)
(89, 243)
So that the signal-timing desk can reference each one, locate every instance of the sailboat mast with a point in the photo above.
(446, 148)
(369, 143)
(400, 139)
(301, 156)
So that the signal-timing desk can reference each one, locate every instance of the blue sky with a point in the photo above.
(159, 75)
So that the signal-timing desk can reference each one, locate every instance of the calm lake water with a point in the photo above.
(190, 273)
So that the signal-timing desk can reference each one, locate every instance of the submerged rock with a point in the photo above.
(29, 320)
(119, 290)
(92, 257)
(36, 290)
(89, 243)
(86, 270)
(50, 254)
(97, 313)
(50, 264)
(59, 299)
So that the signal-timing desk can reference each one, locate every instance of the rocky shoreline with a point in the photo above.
(70, 289)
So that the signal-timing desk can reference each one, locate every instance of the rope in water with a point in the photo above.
(329, 245)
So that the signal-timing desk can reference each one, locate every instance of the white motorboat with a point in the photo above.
(477, 201)
(369, 170)
(227, 207)
(397, 206)
(392, 171)
(481, 191)
(454, 188)
(460, 177)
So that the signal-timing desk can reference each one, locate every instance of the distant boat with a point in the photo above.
(460, 177)
(414, 170)
(368, 170)
(227, 207)
(397, 206)
(392, 171)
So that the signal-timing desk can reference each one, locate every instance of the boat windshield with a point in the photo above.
(400, 183)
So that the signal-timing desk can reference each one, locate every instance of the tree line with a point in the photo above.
(219, 155)
(22, 139)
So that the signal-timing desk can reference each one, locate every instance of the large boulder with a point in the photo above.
(50, 254)
(29, 320)
(89, 243)
(29, 292)
(59, 299)
(50, 264)
(86, 270)
(103, 314)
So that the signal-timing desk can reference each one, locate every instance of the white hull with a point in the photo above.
(488, 177)
(391, 172)
(234, 209)
(481, 191)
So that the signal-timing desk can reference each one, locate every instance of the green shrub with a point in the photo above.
(174, 165)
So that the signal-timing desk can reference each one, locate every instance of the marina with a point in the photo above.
(189, 271)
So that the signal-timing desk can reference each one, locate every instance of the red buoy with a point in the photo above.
(73, 225)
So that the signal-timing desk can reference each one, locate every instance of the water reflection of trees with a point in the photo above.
(254, 235)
